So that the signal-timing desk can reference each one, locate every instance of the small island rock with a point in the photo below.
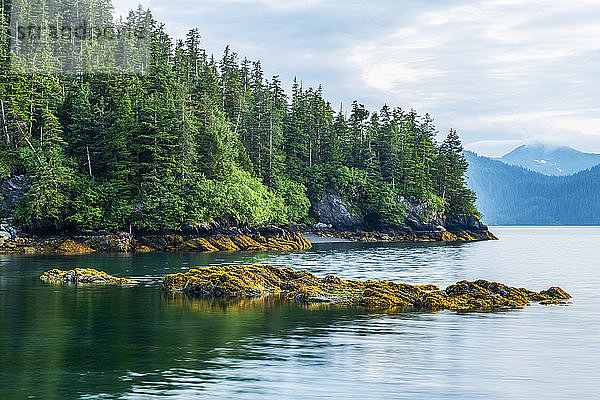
(83, 275)
(302, 286)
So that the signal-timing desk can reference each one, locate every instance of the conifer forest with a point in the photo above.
(148, 132)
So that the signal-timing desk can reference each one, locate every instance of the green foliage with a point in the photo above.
(195, 140)
(47, 199)
(7, 160)
(245, 199)
(380, 202)
(85, 208)
(160, 206)
(295, 200)
(375, 200)
(117, 205)
(436, 203)
(328, 178)
(452, 167)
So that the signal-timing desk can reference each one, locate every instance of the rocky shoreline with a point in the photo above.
(267, 239)
(333, 216)
(416, 236)
(216, 238)
(264, 239)
(420, 224)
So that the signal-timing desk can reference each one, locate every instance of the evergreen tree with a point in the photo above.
(174, 136)
(451, 179)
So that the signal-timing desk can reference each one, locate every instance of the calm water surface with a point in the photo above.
(61, 342)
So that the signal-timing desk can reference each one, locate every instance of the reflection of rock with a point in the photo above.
(238, 305)
(332, 210)
(82, 275)
(302, 286)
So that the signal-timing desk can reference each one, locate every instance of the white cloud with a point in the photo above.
(286, 5)
(495, 66)
(493, 148)
(499, 71)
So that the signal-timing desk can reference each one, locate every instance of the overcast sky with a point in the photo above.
(501, 72)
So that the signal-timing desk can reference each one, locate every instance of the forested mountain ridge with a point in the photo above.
(512, 195)
(194, 139)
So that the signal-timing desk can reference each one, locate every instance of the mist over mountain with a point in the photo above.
(513, 195)
(551, 160)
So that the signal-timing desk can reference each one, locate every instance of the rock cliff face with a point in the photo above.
(420, 224)
(7, 230)
(332, 210)
(11, 191)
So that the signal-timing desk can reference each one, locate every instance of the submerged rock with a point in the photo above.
(302, 286)
(83, 275)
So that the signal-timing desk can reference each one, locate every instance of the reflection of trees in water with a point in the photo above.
(243, 305)
(56, 341)
(95, 339)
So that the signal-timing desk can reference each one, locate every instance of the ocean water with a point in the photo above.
(67, 342)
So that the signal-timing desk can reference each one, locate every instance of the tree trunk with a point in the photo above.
(32, 149)
(5, 124)
(309, 152)
(89, 160)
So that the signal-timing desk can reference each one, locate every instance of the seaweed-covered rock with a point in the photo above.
(302, 286)
(72, 247)
(83, 275)
(411, 236)
(44, 246)
(125, 243)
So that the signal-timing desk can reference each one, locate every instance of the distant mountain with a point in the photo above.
(551, 160)
(512, 195)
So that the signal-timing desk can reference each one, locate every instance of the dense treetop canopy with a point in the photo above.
(180, 137)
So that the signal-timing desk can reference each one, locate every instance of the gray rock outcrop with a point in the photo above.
(7, 230)
(11, 191)
(332, 210)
